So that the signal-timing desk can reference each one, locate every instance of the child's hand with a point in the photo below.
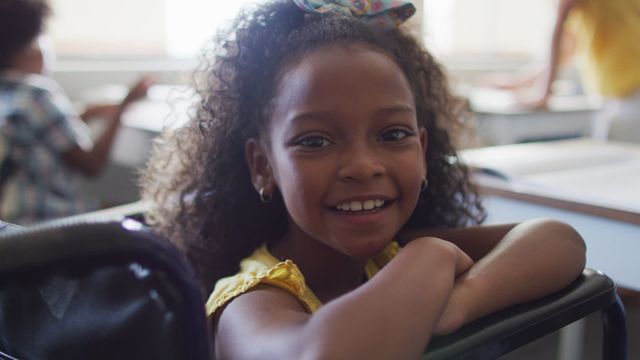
(453, 315)
(139, 90)
(532, 102)
(462, 261)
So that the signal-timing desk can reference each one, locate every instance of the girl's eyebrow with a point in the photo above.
(312, 115)
(315, 115)
(395, 109)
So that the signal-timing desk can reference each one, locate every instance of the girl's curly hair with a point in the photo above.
(197, 179)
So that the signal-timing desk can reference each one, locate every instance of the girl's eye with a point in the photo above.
(395, 135)
(313, 142)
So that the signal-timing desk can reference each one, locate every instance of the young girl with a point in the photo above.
(318, 190)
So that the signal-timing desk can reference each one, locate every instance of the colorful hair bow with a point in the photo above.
(387, 14)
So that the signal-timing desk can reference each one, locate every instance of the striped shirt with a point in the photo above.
(37, 126)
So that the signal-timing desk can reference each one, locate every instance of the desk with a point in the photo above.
(500, 120)
(593, 186)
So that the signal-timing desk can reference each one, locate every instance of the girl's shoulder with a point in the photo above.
(262, 268)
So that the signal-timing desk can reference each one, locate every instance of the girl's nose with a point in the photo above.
(360, 165)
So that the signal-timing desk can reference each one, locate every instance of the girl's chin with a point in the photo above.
(366, 250)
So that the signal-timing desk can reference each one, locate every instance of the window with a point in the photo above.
(456, 30)
(125, 28)
(488, 30)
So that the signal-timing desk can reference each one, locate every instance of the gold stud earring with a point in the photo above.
(424, 184)
(264, 196)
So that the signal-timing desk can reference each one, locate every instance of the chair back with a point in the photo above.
(97, 290)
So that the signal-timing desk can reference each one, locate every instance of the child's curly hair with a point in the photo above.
(21, 21)
(198, 181)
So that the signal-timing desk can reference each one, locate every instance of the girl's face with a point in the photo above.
(344, 148)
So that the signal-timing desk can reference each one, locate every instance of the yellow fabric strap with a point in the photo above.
(379, 261)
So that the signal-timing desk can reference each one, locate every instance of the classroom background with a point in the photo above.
(102, 49)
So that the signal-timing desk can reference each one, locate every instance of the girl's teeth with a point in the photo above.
(368, 205)
(359, 206)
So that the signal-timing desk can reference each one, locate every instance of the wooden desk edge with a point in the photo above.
(501, 188)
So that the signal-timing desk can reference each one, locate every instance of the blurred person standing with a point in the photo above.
(607, 44)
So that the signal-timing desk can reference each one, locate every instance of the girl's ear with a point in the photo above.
(258, 162)
(422, 132)
(423, 139)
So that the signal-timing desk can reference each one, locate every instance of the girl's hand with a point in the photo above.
(454, 314)
(462, 261)
(452, 317)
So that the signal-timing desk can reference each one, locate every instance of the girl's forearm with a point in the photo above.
(534, 259)
(406, 299)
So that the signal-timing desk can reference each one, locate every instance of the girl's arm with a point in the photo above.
(382, 319)
(515, 263)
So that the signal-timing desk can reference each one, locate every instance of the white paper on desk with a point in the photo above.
(586, 171)
(492, 100)
(614, 185)
(513, 162)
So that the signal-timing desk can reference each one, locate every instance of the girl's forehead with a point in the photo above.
(343, 80)
(335, 55)
(317, 69)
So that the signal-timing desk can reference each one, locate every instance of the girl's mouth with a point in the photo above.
(362, 207)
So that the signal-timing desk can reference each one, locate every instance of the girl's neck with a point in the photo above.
(328, 272)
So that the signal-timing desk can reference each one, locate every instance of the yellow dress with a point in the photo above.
(263, 268)
(608, 34)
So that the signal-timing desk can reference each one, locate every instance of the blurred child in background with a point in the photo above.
(46, 146)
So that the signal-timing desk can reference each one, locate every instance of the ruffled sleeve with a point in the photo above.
(261, 268)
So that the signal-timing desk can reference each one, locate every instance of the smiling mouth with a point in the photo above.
(362, 207)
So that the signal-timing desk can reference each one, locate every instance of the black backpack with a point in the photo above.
(7, 165)
(97, 290)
